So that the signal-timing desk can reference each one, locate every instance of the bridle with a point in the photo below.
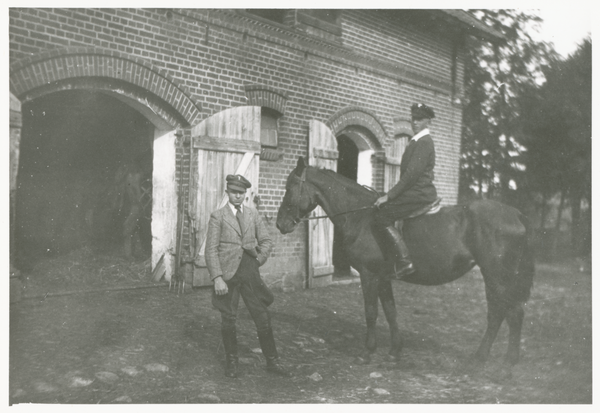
(302, 180)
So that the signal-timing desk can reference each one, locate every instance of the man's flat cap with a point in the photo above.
(237, 182)
(421, 111)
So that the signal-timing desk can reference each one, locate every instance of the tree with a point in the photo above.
(496, 75)
(556, 120)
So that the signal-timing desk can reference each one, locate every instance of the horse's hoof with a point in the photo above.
(362, 360)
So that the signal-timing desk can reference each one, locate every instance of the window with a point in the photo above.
(268, 127)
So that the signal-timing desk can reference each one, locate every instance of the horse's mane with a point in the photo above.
(360, 192)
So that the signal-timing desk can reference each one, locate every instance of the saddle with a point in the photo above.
(430, 209)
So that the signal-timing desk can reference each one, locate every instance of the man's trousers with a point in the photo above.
(246, 283)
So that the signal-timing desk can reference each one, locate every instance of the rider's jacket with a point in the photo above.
(416, 172)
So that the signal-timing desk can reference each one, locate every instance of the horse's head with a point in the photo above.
(299, 199)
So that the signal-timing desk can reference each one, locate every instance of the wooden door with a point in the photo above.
(393, 156)
(226, 143)
(16, 123)
(323, 153)
(164, 204)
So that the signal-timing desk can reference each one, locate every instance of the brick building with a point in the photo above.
(211, 92)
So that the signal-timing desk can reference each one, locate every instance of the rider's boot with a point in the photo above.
(231, 355)
(403, 267)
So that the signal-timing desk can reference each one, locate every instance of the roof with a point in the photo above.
(471, 24)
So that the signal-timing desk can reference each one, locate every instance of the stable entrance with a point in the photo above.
(80, 152)
(350, 155)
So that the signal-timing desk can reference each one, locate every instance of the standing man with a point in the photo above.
(237, 243)
(414, 190)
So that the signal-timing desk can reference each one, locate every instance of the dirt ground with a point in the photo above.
(149, 344)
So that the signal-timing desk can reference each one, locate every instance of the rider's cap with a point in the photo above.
(237, 182)
(421, 111)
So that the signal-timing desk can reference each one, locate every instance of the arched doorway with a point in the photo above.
(76, 151)
(354, 162)
(148, 90)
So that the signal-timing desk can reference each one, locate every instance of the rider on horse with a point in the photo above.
(414, 191)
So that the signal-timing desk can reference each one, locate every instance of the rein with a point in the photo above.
(339, 213)
(302, 180)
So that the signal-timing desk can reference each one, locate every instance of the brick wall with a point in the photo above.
(381, 64)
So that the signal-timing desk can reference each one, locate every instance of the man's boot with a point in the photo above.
(231, 355)
(403, 266)
(267, 344)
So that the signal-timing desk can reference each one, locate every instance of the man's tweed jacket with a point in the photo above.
(225, 243)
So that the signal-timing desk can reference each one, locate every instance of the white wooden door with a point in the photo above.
(323, 153)
(164, 205)
(393, 156)
(226, 143)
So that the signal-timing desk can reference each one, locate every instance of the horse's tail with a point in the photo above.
(526, 267)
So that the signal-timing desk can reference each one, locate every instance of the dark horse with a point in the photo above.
(443, 247)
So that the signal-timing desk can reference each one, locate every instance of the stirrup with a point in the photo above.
(404, 271)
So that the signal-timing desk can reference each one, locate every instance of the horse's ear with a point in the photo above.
(300, 165)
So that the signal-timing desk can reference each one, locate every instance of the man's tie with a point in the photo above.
(240, 219)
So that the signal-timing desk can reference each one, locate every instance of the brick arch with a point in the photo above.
(151, 89)
(353, 116)
(265, 96)
(402, 127)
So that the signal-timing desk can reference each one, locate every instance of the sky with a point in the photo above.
(566, 27)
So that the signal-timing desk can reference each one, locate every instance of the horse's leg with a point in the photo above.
(386, 296)
(496, 313)
(369, 285)
(514, 319)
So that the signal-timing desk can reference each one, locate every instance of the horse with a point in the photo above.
(123, 210)
(443, 247)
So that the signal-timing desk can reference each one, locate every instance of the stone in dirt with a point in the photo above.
(156, 367)
(43, 387)
(130, 371)
(246, 360)
(80, 382)
(380, 392)
(315, 377)
(107, 376)
(208, 398)
(375, 375)
(122, 399)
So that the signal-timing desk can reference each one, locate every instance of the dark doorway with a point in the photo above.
(348, 158)
(347, 166)
(75, 147)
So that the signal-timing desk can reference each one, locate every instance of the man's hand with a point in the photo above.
(380, 201)
(220, 286)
